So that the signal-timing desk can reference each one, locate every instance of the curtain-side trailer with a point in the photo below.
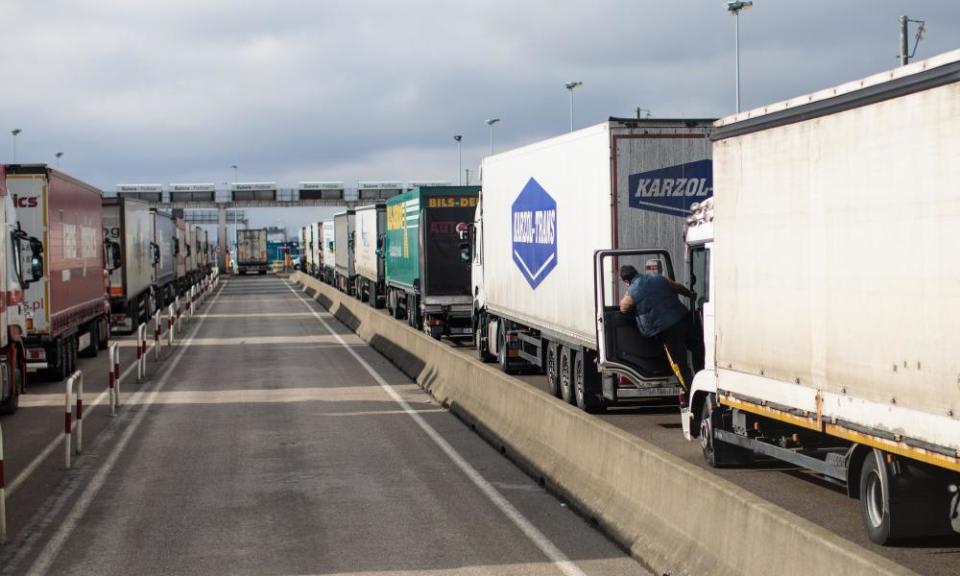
(428, 283)
(546, 208)
(831, 297)
(67, 309)
(327, 252)
(128, 235)
(368, 250)
(164, 261)
(344, 263)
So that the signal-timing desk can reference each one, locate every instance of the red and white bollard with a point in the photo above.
(114, 369)
(170, 325)
(156, 335)
(3, 496)
(75, 380)
(176, 303)
(141, 352)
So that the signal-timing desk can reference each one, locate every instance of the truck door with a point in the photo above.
(621, 347)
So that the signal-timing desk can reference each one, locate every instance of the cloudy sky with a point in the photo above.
(289, 90)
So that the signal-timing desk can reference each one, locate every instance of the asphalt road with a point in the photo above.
(273, 441)
(794, 489)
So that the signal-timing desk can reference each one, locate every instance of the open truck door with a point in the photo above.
(621, 350)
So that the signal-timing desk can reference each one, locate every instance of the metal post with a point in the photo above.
(459, 163)
(76, 377)
(904, 41)
(737, 15)
(571, 109)
(156, 334)
(79, 380)
(170, 319)
(3, 496)
(113, 368)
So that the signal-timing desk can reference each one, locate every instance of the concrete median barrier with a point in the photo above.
(674, 517)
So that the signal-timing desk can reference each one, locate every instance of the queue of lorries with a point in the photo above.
(818, 235)
(76, 266)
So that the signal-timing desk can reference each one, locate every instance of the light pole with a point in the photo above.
(905, 53)
(458, 138)
(15, 132)
(234, 166)
(58, 155)
(490, 123)
(734, 7)
(571, 86)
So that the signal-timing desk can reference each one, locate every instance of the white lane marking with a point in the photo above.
(43, 561)
(539, 539)
(58, 439)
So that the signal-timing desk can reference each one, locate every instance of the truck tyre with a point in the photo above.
(502, 358)
(566, 374)
(12, 401)
(58, 372)
(587, 386)
(72, 343)
(875, 498)
(103, 333)
(552, 368)
(93, 348)
(718, 454)
(480, 340)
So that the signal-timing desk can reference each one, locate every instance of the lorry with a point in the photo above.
(180, 248)
(67, 310)
(129, 238)
(164, 276)
(306, 245)
(21, 265)
(344, 264)
(427, 281)
(368, 242)
(252, 251)
(325, 254)
(545, 209)
(829, 297)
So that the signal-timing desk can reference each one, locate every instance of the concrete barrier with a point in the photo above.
(674, 517)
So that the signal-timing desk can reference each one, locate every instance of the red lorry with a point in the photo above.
(67, 310)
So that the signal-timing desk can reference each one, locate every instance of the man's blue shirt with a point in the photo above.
(656, 305)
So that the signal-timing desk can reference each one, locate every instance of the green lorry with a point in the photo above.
(427, 282)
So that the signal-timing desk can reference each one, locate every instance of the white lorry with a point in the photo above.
(368, 236)
(325, 252)
(21, 265)
(544, 209)
(129, 235)
(344, 263)
(830, 297)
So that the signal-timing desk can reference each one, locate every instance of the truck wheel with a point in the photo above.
(72, 344)
(587, 386)
(93, 348)
(566, 374)
(436, 331)
(718, 454)
(58, 372)
(480, 341)
(103, 333)
(502, 358)
(552, 368)
(875, 499)
(12, 402)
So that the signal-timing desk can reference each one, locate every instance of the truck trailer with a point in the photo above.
(428, 283)
(344, 263)
(164, 277)
(545, 209)
(252, 251)
(67, 311)
(830, 298)
(368, 242)
(128, 238)
(325, 254)
(21, 265)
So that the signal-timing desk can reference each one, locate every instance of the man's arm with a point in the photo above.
(626, 303)
(679, 288)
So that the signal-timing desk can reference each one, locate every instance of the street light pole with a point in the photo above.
(734, 7)
(490, 123)
(458, 138)
(234, 166)
(571, 86)
(15, 132)
(58, 155)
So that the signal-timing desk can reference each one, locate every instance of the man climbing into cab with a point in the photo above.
(653, 298)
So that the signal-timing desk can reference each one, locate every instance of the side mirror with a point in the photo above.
(176, 246)
(156, 253)
(465, 255)
(379, 252)
(36, 263)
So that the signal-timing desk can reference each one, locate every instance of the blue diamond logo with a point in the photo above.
(534, 230)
